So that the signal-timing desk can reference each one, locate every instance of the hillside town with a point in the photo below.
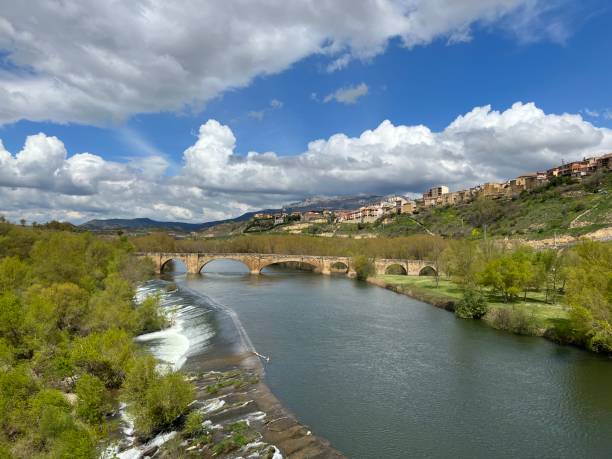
(441, 196)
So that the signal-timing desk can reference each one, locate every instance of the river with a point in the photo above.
(381, 375)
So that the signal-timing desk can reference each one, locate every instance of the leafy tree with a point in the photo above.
(149, 316)
(14, 274)
(508, 274)
(70, 304)
(363, 267)
(472, 306)
(589, 293)
(462, 261)
(105, 355)
(155, 400)
(93, 399)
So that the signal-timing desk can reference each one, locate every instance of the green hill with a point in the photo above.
(563, 207)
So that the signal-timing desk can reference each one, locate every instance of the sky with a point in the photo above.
(203, 110)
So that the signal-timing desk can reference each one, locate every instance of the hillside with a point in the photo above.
(223, 227)
(563, 207)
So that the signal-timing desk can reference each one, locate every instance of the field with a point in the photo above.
(540, 314)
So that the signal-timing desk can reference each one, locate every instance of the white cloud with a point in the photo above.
(41, 181)
(256, 114)
(347, 95)
(339, 63)
(101, 62)
(259, 115)
(589, 112)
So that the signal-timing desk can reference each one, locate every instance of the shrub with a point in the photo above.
(472, 306)
(194, 424)
(104, 355)
(156, 400)
(149, 316)
(93, 399)
(363, 267)
(514, 319)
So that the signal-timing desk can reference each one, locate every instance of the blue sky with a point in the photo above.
(557, 57)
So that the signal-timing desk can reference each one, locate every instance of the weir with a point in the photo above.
(195, 261)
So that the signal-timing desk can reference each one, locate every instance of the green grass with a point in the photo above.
(542, 315)
(538, 214)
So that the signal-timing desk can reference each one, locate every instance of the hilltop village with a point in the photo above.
(439, 196)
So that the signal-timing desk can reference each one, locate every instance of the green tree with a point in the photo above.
(106, 355)
(473, 305)
(155, 400)
(364, 267)
(93, 399)
(14, 274)
(508, 274)
(149, 316)
(589, 293)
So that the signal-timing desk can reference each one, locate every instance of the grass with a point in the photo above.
(540, 314)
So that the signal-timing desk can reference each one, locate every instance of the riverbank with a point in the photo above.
(533, 317)
(235, 413)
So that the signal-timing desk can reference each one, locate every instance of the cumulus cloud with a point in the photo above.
(347, 95)
(101, 62)
(41, 181)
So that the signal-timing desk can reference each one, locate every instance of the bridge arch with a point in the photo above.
(268, 263)
(339, 267)
(166, 263)
(428, 271)
(397, 269)
(206, 262)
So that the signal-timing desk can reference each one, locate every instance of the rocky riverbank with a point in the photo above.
(234, 414)
(242, 417)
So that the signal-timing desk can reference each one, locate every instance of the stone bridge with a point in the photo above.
(255, 262)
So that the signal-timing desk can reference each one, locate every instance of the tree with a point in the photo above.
(589, 293)
(106, 355)
(149, 316)
(472, 306)
(508, 274)
(155, 400)
(93, 400)
(363, 267)
(14, 274)
(463, 260)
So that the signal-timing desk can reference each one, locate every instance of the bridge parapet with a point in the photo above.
(255, 262)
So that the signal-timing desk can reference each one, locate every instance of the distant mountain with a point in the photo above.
(332, 202)
(137, 224)
(146, 224)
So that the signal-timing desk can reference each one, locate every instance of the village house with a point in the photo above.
(279, 218)
(314, 216)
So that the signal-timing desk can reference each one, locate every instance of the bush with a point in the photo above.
(155, 400)
(194, 424)
(104, 355)
(515, 319)
(472, 306)
(363, 267)
(93, 399)
(149, 316)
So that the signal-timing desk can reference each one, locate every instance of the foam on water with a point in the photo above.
(186, 335)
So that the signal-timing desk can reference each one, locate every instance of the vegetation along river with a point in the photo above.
(381, 375)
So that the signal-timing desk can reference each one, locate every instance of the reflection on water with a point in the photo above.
(383, 376)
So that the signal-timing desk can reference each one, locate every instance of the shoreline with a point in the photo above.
(442, 302)
(432, 299)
